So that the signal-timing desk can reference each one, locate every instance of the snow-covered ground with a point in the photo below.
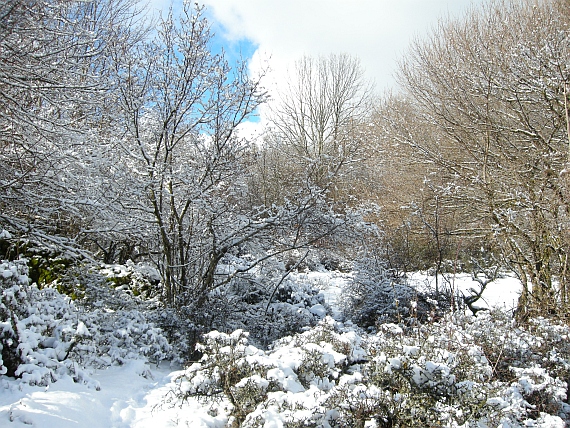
(503, 292)
(135, 394)
(132, 395)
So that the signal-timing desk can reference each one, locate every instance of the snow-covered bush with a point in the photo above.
(444, 373)
(47, 261)
(45, 335)
(376, 296)
(121, 336)
(430, 377)
(228, 369)
(40, 328)
(13, 277)
(449, 373)
(282, 384)
(530, 361)
(140, 279)
(255, 304)
(329, 258)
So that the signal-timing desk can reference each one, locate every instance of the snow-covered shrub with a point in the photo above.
(376, 296)
(299, 294)
(45, 335)
(47, 259)
(122, 325)
(40, 328)
(435, 374)
(432, 377)
(140, 279)
(119, 336)
(467, 368)
(531, 362)
(252, 304)
(180, 330)
(509, 344)
(228, 369)
(282, 384)
(13, 277)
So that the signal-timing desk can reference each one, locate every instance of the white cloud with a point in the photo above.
(376, 31)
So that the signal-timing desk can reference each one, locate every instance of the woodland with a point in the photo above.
(139, 221)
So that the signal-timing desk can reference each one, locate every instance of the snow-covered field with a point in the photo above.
(503, 292)
(136, 393)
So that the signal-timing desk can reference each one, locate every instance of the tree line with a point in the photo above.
(120, 135)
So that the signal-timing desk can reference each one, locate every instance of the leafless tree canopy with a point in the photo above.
(124, 137)
(486, 108)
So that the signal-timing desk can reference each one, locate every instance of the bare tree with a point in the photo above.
(183, 176)
(319, 119)
(490, 89)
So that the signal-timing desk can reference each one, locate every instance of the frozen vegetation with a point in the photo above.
(366, 262)
(110, 361)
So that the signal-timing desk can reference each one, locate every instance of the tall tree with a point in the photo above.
(490, 88)
(53, 90)
(182, 180)
(319, 120)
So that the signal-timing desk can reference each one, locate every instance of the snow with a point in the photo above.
(82, 330)
(139, 394)
(130, 396)
(286, 378)
(502, 293)
(69, 404)
(318, 310)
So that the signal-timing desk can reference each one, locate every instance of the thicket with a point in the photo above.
(46, 335)
(131, 149)
(461, 371)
